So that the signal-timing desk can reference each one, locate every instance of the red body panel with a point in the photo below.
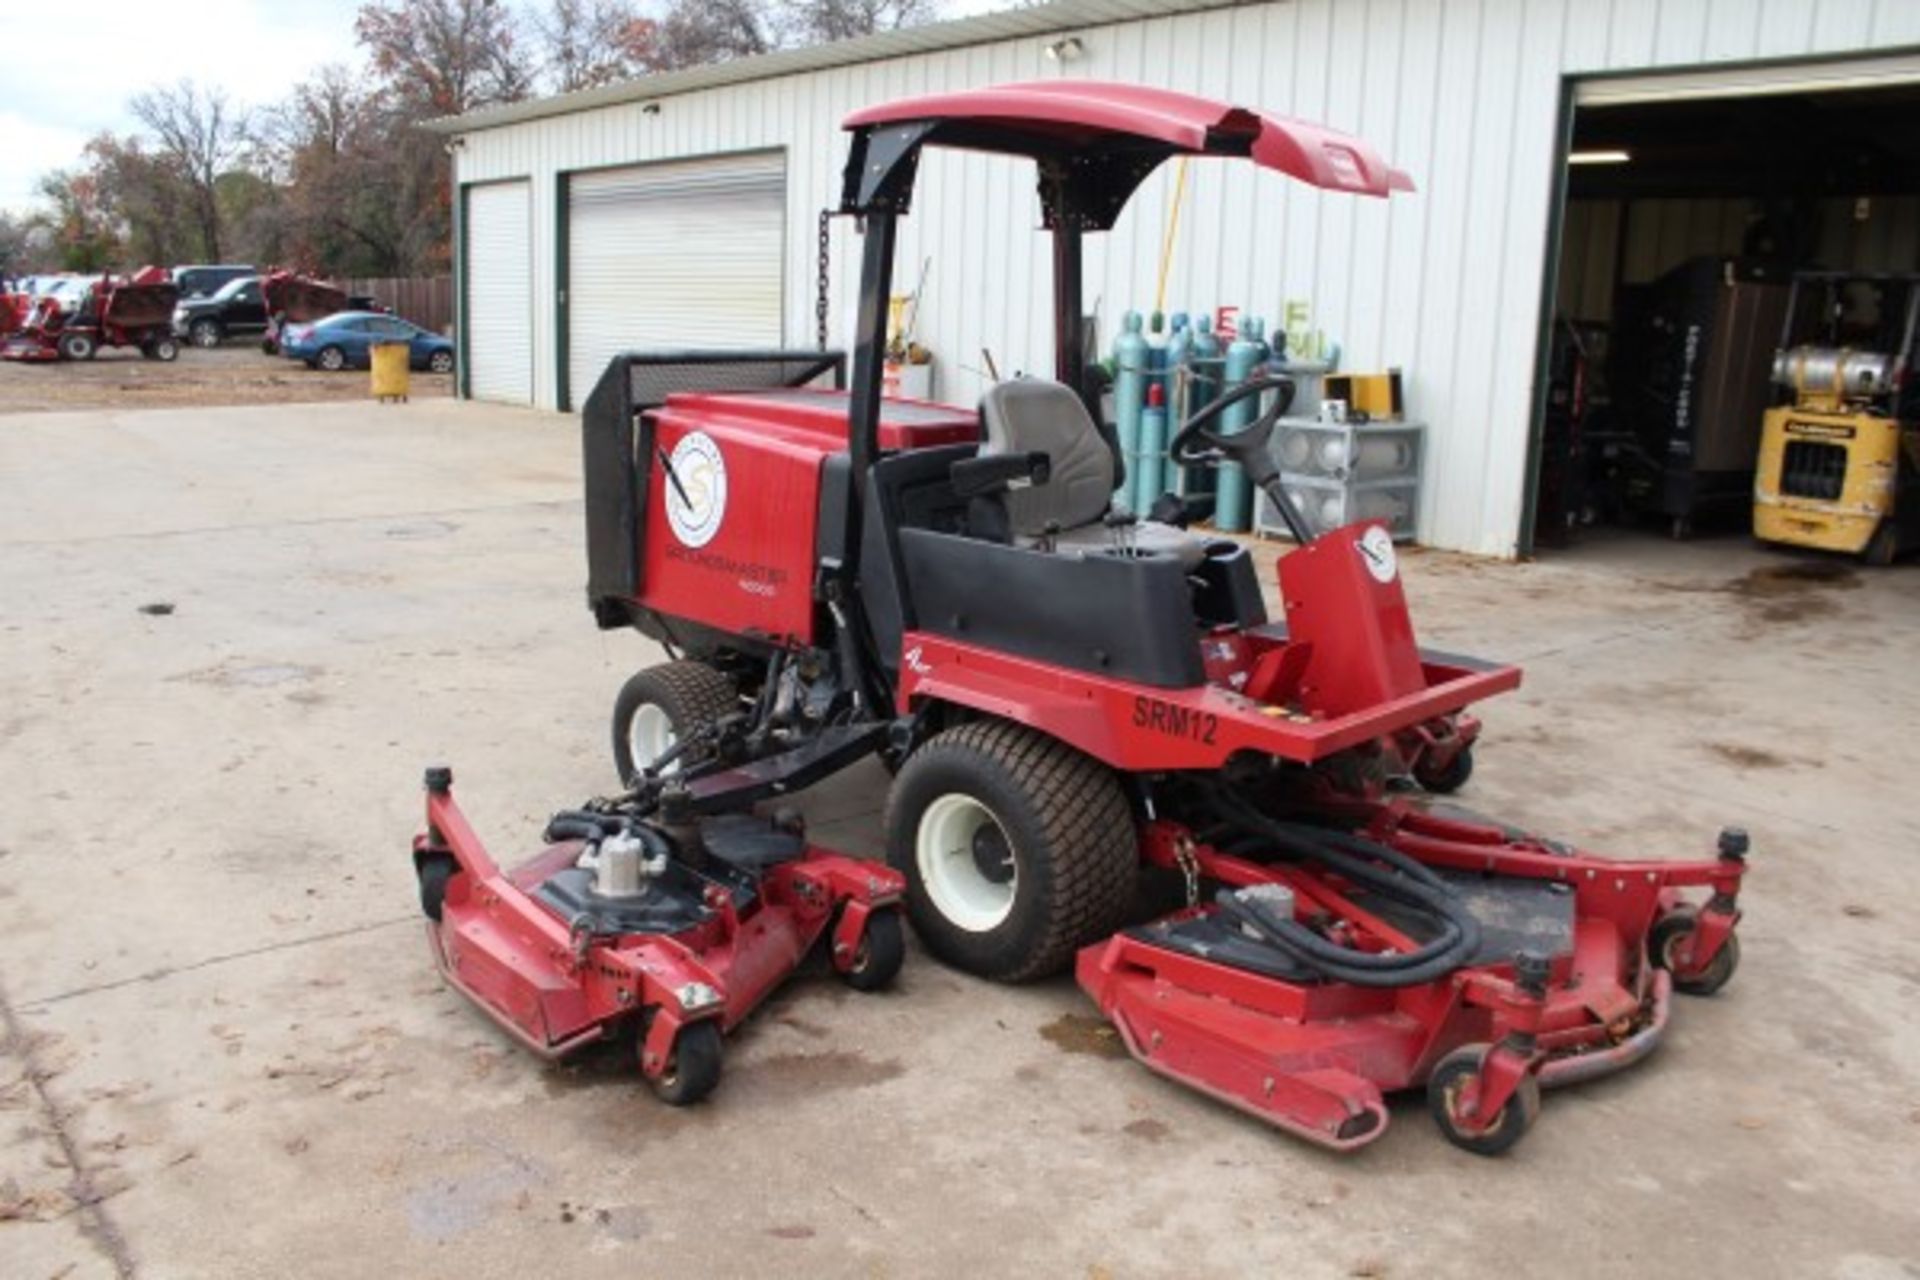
(1099, 113)
(754, 574)
(1353, 627)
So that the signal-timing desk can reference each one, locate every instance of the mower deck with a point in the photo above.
(1577, 958)
(560, 965)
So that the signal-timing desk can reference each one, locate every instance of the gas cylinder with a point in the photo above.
(1231, 513)
(1179, 350)
(1148, 479)
(1203, 388)
(1157, 352)
(1130, 356)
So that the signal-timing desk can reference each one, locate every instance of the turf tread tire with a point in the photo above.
(691, 693)
(1084, 823)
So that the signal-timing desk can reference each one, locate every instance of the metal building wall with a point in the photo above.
(1464, 94)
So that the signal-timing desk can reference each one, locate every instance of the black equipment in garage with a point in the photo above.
(1689, 374)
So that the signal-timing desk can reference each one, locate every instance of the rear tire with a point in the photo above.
(661, 705)
(1018, 850)
(166, 350)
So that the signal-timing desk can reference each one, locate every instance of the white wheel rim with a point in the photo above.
(943, 851)
(649, 736)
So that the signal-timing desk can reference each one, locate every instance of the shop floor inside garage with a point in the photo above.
(1685, 222)
(226, 1052)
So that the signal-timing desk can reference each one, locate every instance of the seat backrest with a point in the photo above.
(1031, 414)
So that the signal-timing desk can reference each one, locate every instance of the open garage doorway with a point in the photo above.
(1693, 204)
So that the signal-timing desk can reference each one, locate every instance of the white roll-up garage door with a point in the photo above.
(670, 256)
(499, 280)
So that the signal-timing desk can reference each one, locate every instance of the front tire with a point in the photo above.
(331, 359)
(205, 334)
(440, 362)
(76, 346)
(1018, 850)
(661, 705)
(166, 350)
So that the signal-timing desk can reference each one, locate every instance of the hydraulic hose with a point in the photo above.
(1384, 871)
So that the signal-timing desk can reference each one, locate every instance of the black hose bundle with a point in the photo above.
(1384, 871)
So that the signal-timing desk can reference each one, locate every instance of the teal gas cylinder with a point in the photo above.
(1130, 357)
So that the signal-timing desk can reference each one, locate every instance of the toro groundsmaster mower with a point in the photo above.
(1068, 694)
(134, 311)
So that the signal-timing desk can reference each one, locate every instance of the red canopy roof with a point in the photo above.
(1052, 116)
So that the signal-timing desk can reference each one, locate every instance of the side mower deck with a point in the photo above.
(724, 914)
(1576, 960)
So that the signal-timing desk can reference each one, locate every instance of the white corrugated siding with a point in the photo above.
(1464, 94)
(673, 255)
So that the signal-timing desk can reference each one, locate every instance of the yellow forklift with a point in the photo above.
(1839, 464)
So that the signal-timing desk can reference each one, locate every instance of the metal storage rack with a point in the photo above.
(1339, 472)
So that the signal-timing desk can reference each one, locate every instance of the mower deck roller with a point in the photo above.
(1067, 693)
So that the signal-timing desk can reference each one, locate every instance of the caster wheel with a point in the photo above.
(1445, 1099)
(1450, 779)
(693, 1066)
(883, 947)
(436, 869)
(1665, 939)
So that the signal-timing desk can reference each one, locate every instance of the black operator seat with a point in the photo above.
(1032, 415)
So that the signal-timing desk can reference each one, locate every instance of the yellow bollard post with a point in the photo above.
(390, 371)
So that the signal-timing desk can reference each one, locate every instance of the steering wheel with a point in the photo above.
(1242, 446)
(1198, 444)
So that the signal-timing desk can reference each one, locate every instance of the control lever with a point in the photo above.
(1122, 529)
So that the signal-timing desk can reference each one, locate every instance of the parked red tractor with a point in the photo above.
(1068, 693)
(135, 311)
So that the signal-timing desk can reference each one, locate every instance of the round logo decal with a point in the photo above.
(696, 489)
(1376, 549)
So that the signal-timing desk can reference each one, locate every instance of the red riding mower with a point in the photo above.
(118, 312)
(1068, 693)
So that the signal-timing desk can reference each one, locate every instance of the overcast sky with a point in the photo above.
(67, 67)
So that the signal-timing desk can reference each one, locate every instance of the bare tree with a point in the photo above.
(697, 32)
(818, 21)
(586, 43)
(203, 134)
(445, 56)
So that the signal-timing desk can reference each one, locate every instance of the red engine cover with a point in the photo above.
(733, 501)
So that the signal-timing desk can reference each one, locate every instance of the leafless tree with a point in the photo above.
(818, 21)
(203, 134)
(585, 43)
(696, 32)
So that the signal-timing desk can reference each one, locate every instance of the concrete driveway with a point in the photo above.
(227, 1053)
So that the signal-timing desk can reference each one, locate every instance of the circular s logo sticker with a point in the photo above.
(1376, 551)
(696, 489)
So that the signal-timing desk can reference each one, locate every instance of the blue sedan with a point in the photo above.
(345, 340)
